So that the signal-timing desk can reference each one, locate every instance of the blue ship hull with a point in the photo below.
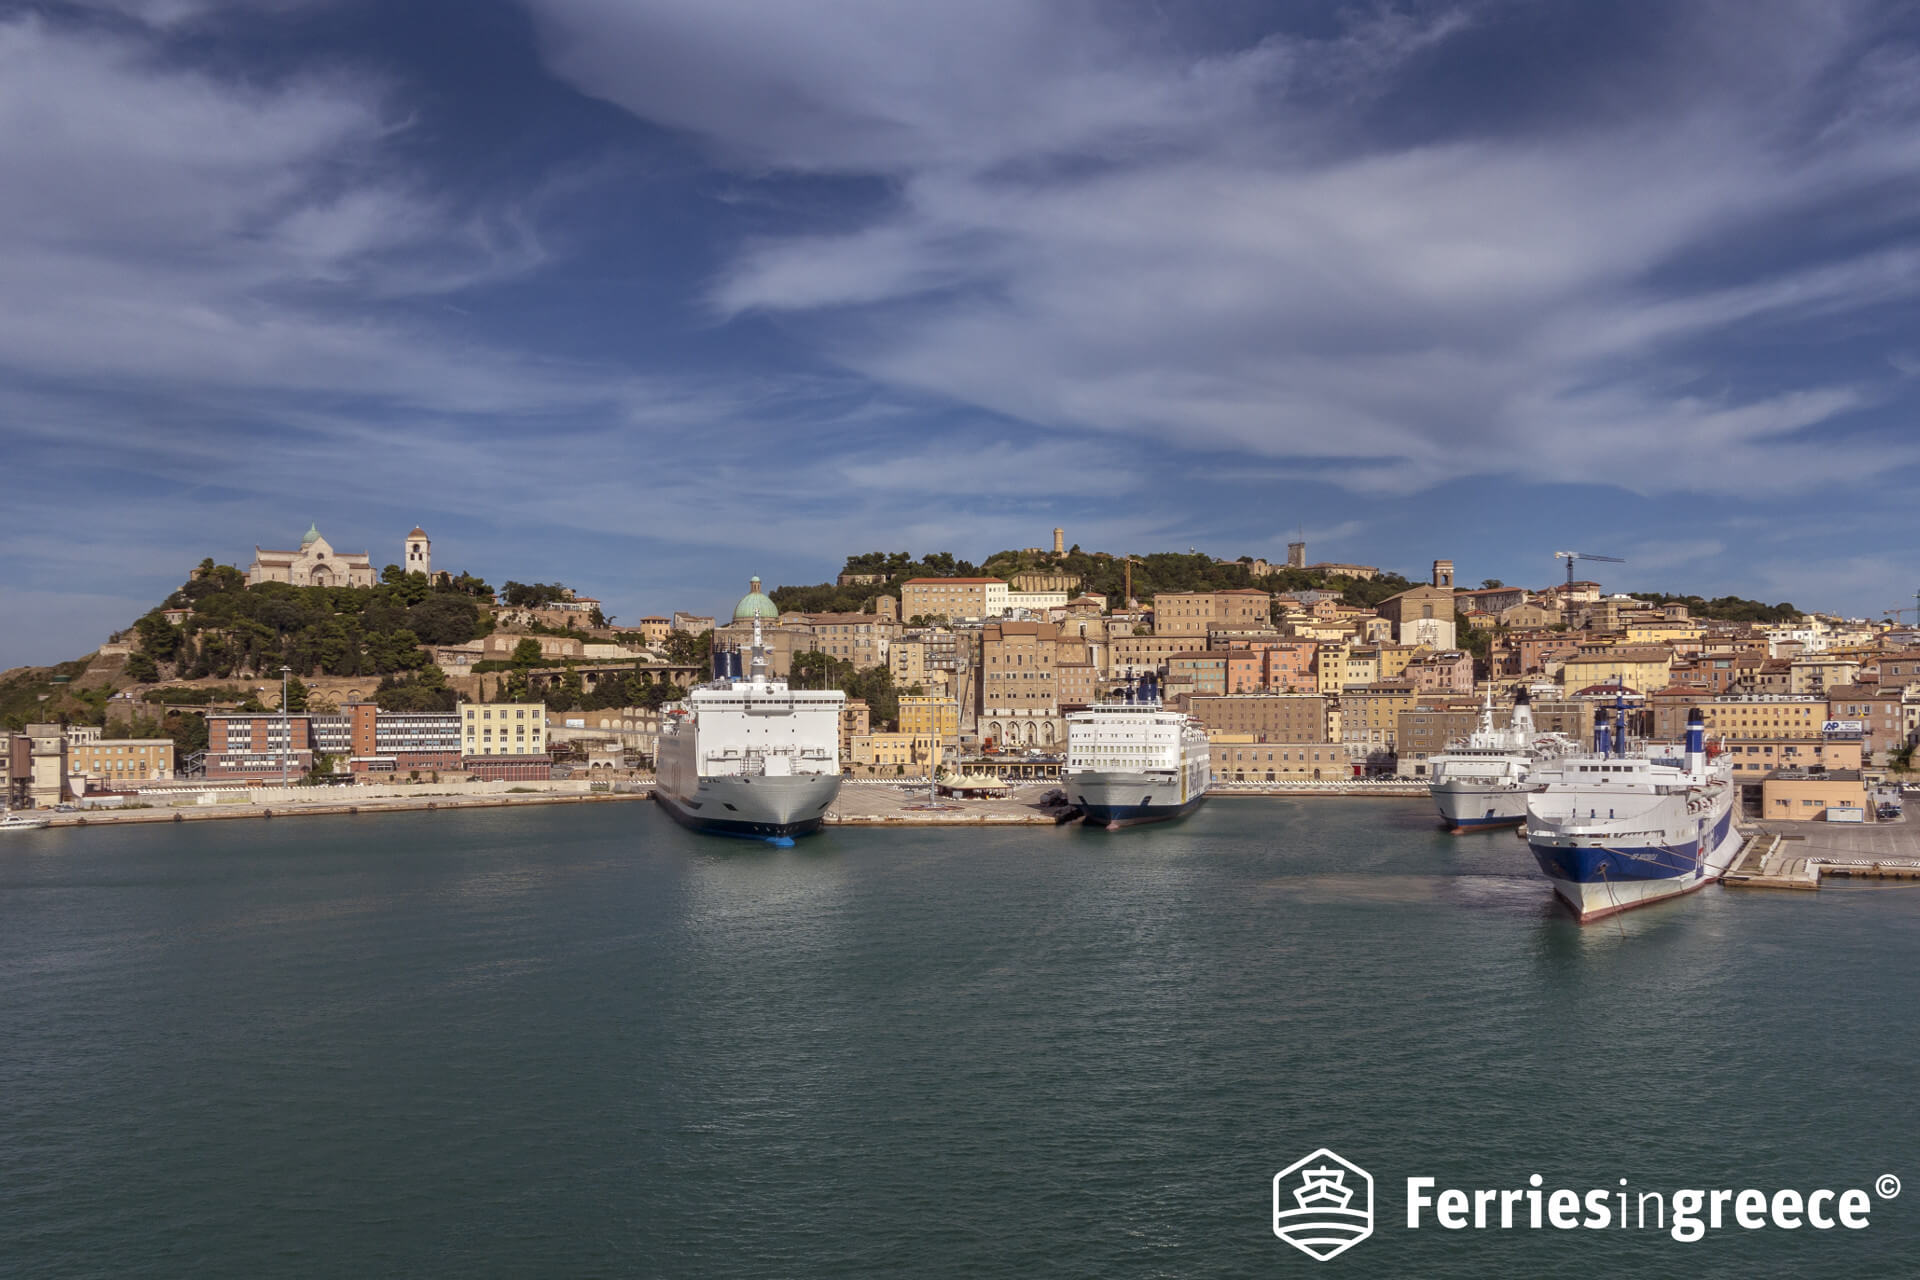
(1599, 880)
(1129, 815)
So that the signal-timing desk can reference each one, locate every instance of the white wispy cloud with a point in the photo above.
(1096, 231)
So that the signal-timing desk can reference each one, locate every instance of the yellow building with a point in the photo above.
(930, 716)
(907, 661)
(503, 729)
(1663, 631)
(1240, 758)
(1745, 717)
(1638, 666)
(1808, 797)
(894, 754)
(1370, 717)
(118, 761)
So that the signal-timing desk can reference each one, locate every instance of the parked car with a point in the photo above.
(1887, 812)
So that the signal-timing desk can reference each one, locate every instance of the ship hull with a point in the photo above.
(1114, 800)
(1597, 879)
(757, 808)
(1465, 806)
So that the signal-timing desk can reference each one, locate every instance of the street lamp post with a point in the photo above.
(286, 725)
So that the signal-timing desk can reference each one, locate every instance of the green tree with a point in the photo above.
(142, 668)
(296, 694)
(446, 618)
(685, 649)
(527, 653)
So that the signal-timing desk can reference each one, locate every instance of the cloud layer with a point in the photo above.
(1103, 226)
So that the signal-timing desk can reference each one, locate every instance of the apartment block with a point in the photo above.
(953, 598)
(1019, 700)
(1237, 758)
(1269, 717)
(1194, 613)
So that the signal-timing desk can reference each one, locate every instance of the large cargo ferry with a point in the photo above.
(1621, 828)
(1482, 782)
(745, 754)
(1134, 760)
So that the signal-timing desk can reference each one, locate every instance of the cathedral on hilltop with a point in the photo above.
(317, 564)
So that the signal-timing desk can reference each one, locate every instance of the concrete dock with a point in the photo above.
(1799, 855)
(890, 804)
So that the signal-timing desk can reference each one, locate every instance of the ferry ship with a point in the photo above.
(1133, 760)
(1621, 828)
(745, 754)
(1481, 783)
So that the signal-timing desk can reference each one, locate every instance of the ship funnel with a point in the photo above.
(1696, 740)
(719, 663)
(1602, 736)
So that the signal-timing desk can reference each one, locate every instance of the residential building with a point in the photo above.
(855, 721)
(1448, 672)
(46, 765)
(1269, 717)
(1137, 655)
(907, 662)
(1370, 716)
(1238, 758)
(930, 717)
(1742, 717)
(1203, 672)
(1639, 667)
(859, 638)
(1885, 715)
(1039, 602)
(1889, 670)
(1076, 685)
(953, 598)
(895, 754)
(1432, 725)
(654, 631)
(691, 623)
(1195, 613)
(1019, 704)
(95, 763)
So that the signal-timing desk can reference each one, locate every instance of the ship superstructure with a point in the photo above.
(1622, 827)
(1131, 760)
(748, 755)
(1482, 781)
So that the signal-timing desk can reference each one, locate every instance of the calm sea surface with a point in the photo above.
(580, 1041)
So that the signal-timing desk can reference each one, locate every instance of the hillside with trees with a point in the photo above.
(1098, 572)
(1725, 608)
(236, 630)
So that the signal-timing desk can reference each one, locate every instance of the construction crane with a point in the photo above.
(1571, 556)
(1894, 614)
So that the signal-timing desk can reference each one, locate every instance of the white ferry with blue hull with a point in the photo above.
(1135, 761)
(1619, 829)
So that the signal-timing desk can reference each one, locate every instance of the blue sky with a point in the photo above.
(649, 295)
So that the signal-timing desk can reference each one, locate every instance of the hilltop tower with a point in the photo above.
(419, 552)
(1059, 542)
(1443, 574)
(1296, 555)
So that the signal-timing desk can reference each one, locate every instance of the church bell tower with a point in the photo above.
(419, 552)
